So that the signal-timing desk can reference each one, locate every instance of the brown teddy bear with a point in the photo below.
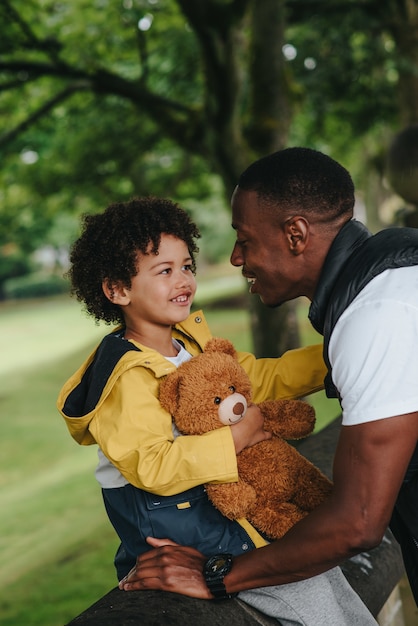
(277, 486)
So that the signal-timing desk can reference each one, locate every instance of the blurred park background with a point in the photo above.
(102, 100)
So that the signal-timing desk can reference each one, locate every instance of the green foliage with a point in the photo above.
(89, 149)
(34, 286)
(102, 100)
(99, 141)
(343, 64)
(346, 75)
(12, 263)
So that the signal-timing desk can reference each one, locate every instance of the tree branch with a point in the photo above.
(180, 122)
(8, 137)
(51, 46)
(12, 84)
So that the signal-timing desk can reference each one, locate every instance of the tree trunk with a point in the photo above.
(403, 153)
(274, 330)
(249, 114)
(405, 32)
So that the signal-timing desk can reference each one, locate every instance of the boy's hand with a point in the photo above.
(250, 429)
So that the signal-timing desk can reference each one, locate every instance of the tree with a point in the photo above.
(231, 113)
(216, 123)
(206, 82)
(366, 68)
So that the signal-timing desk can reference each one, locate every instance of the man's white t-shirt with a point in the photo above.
(373, 349)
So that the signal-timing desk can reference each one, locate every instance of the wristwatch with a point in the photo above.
(214, 570)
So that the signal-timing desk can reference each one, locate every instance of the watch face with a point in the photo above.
(214, 571)
(218, 565)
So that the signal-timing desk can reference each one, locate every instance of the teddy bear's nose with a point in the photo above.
(238, 408)
(232, 409)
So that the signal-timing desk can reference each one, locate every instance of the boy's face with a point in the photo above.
(162, 291)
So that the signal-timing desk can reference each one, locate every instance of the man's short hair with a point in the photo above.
(301, 179)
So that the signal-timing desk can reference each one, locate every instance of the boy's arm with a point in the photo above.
(135, 433)
(297, 373)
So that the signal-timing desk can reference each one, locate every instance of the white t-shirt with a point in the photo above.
(106, 473)
(374, 349)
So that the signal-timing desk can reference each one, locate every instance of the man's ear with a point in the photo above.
(296, 231)
(115, 292)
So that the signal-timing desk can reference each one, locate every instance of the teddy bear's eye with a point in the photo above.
(232, 389)
(217, 400)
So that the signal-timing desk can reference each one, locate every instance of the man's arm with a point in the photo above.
(370, 463)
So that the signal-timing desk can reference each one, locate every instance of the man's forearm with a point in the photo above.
(314, 545)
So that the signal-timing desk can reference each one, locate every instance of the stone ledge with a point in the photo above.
(155, 608)
(373, 575)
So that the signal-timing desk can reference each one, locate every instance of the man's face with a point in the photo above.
(264, 252)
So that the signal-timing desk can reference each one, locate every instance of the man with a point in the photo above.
(293, 216)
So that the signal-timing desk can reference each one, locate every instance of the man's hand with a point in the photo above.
(170, 567)
(249, 430)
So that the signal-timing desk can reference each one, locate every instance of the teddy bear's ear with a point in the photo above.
(169, 392)
(218, 344)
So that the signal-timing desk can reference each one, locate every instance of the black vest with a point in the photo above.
(354, 259)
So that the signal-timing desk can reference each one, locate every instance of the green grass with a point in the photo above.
(56, 543)
(34, 333)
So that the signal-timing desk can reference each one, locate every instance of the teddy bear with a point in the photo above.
(277, 486)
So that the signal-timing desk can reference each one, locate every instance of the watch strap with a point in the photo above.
(214, 572)
(218, 590)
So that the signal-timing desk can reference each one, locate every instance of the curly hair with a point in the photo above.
(301, 179)
(109, 244)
